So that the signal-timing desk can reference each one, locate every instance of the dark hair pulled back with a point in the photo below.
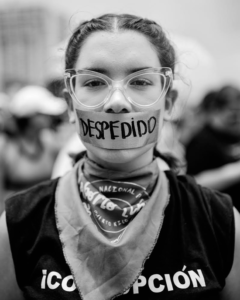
(122, 22)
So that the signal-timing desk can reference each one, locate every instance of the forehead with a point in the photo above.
(117, 51)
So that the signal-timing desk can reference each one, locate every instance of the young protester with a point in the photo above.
(116, 225)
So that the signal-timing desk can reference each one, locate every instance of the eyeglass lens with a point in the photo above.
(143, 89)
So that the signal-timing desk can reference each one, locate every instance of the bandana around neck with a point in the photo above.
(105, 263)
(112, 199)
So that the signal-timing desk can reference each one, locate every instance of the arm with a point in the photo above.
(220, 178)
(231, 290)
(9, 289)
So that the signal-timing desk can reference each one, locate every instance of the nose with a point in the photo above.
(117, 103)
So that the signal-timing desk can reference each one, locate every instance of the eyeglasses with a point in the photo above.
(143, 88)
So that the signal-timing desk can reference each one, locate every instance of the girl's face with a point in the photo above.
(118, 55)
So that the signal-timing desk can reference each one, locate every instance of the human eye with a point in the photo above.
(94, 83)
(140, 82)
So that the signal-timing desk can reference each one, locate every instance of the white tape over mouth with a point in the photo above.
(118, 131)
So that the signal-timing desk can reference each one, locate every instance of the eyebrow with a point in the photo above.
(99, 70)
(106, 72)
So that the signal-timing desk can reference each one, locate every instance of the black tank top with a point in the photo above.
(192, 258)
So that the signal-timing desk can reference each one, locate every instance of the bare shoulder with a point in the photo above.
(9, 289)
(232, 289)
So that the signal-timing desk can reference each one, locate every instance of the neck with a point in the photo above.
(118, 164)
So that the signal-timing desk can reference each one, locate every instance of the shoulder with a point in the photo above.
(211, 205)
(9, 289)
(212, 201)
(32, 200)
(30, 220)
(208, 211)
(28, 211)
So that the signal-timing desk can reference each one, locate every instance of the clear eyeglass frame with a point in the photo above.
(113, 85)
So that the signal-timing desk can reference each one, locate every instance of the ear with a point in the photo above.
(169, 103)
(68, 99)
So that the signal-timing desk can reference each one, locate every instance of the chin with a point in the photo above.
(117, 158)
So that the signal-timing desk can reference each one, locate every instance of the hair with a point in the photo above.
(114, 23)
(207, 102)
(220, 99)
(55, 86)
(225, 96)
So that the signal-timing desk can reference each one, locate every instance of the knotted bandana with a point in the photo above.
(108, 225)
(112, 199)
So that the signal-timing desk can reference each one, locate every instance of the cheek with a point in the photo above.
(77, 105)
(159, 105)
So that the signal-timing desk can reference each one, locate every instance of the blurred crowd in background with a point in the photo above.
(33, 128)
(37, 142)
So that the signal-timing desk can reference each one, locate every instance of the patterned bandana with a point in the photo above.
(110, 200)
(110, 226)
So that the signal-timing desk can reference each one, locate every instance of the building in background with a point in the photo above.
(26, 36)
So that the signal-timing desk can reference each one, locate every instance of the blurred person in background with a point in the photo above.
(31, 138)
(213, 152)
